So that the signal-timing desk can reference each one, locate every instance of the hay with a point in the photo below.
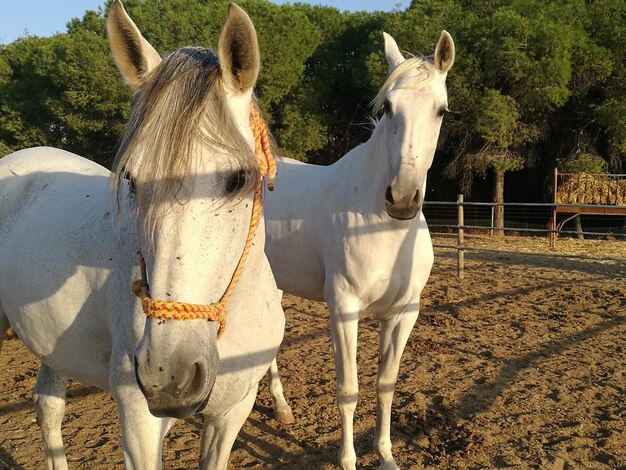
(585, 188)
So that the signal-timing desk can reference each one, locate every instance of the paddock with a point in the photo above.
(521, 364)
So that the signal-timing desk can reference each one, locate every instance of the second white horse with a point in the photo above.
(353, 234)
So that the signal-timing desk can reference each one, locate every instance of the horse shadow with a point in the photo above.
(7, 462)
(605, 267)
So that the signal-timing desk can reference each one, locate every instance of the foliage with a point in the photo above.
(300, 132)
(334, 92)
(534, 82)
(582, 162)
(63, 91)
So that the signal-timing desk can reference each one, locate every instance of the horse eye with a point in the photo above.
(131, 185)
(387, 107)
(236, 181)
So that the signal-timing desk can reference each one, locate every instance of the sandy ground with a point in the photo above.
(521, 364)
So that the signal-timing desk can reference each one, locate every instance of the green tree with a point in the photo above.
(499, 127)
(606, 97)
(533, 81)
(64, 92)
(528, 74)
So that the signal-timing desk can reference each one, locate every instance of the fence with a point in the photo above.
(460, 219)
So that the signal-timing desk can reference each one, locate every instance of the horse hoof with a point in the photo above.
(284, 417)
(389, 466)
(348, 465)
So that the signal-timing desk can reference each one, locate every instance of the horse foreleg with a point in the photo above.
(49, 399)
(344, 330)
(394, 334)
(282, 410)
(219, 434)
(142, 433)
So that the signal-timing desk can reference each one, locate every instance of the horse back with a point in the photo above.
(25, 176)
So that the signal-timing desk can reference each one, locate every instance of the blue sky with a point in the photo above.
(47, 17)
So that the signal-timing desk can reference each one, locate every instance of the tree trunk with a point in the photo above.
(579, 228)
(498, 198)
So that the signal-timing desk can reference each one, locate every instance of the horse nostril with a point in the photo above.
(388, 195)
(416, 198)
(137, 378)
(198, 380)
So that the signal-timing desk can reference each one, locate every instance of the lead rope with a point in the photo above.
(217, 311)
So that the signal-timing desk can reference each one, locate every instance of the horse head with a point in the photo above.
(414, 100)
(187, 163)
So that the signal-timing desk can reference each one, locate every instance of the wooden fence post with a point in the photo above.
(460, 251)
(554, 202)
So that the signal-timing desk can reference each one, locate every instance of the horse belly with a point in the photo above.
(302, 282)
(295, 226)
(59, 321)
(79, 352)
(295, 263)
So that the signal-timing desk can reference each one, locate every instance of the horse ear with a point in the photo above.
(392, 53)
(133, 55)
(444, 52)
(238, 50)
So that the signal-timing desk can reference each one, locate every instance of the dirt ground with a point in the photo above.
(522, 364)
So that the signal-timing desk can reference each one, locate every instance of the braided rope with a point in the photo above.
(217, 311)
(262, 148)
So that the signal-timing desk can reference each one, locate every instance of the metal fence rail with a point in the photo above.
(532, 218)
(460, 219)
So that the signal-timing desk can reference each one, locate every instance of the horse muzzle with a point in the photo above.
(405, 209)
(177, 386)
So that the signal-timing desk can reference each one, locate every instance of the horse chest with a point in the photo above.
(384, 271)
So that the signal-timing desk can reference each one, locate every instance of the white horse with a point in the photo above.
(353, 234)
(68, 253)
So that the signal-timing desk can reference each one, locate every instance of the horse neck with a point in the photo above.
(367, 166)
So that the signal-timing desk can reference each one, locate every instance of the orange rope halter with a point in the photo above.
(217, 311)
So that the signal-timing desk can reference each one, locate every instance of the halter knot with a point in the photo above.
(217, 311)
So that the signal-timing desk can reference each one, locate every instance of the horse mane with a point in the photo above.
(181, 105)
(421, 64)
